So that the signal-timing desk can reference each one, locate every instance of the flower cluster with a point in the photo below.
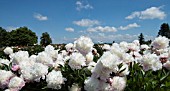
(109, 71)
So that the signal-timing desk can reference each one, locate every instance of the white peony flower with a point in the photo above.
(124, 45)
(160, 42)
(167, 65)
(7, 90)
(84, 45)
(94, 84)
(16, 83)
(127, 58)
(89, 57)
(38, 70)
(4, 61)
(31, 71)
(44, 58)
(116, 50)
(144, 46)
(64, 53)
(91, 65)
(49, 48)
(32, 58)
(109, 60)
(54, 79)
(118, 83)
(69, 47)
(75, 87)
(106, 65)
(19, 56)
(133, 47)
(91, 84)
(151, 61)
(136, 42)
(76, 61)
(8, 50)
(59, 61)
(106, 47)
(51, 52)
(163, 55)
(5, 77)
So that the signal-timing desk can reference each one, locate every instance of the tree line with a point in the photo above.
(164, 31)
(22, 36)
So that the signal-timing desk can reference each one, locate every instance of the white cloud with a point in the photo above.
(130, 26)
(106, 38)
(69, 29)
(150, 13)
(40, 17)
(10, 28)
(116, 37)
(102, 29)
(86, 22)
(83, 5)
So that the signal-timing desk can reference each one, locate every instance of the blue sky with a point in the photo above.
(102, 20)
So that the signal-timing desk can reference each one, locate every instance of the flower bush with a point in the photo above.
(117, 67)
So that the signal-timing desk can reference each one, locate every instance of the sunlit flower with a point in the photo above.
(8, 50)
(19, 56)
(75, 87)
(76, 61)
(133, 47)
(167, 65)
(118, 83)
(136, 42)
(4, 61)
(91, 65)
(106, 47)
(89, 57)
(84, 45)
(144, 46)
(116, 50)
(51, 52)
(55, 79)
(32, 71)
(160, 42)
(69, 47)
(124, 45)
(105, 65)
(93, 84)
(5, 77)
(16, 84)
(44, 58)
(127, 58)
(151, 61)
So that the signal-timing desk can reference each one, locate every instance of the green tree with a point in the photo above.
(164, 30)
(45, 39)
(141, 39)
(23, 37)
(4, 37)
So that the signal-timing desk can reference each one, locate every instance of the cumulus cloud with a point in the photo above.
(86, 22)
(105, 38)
(40, 17)
(102, 29)
(69, 29)
(10, 28)
(150, 13)
(130, 26)
(83, 5)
